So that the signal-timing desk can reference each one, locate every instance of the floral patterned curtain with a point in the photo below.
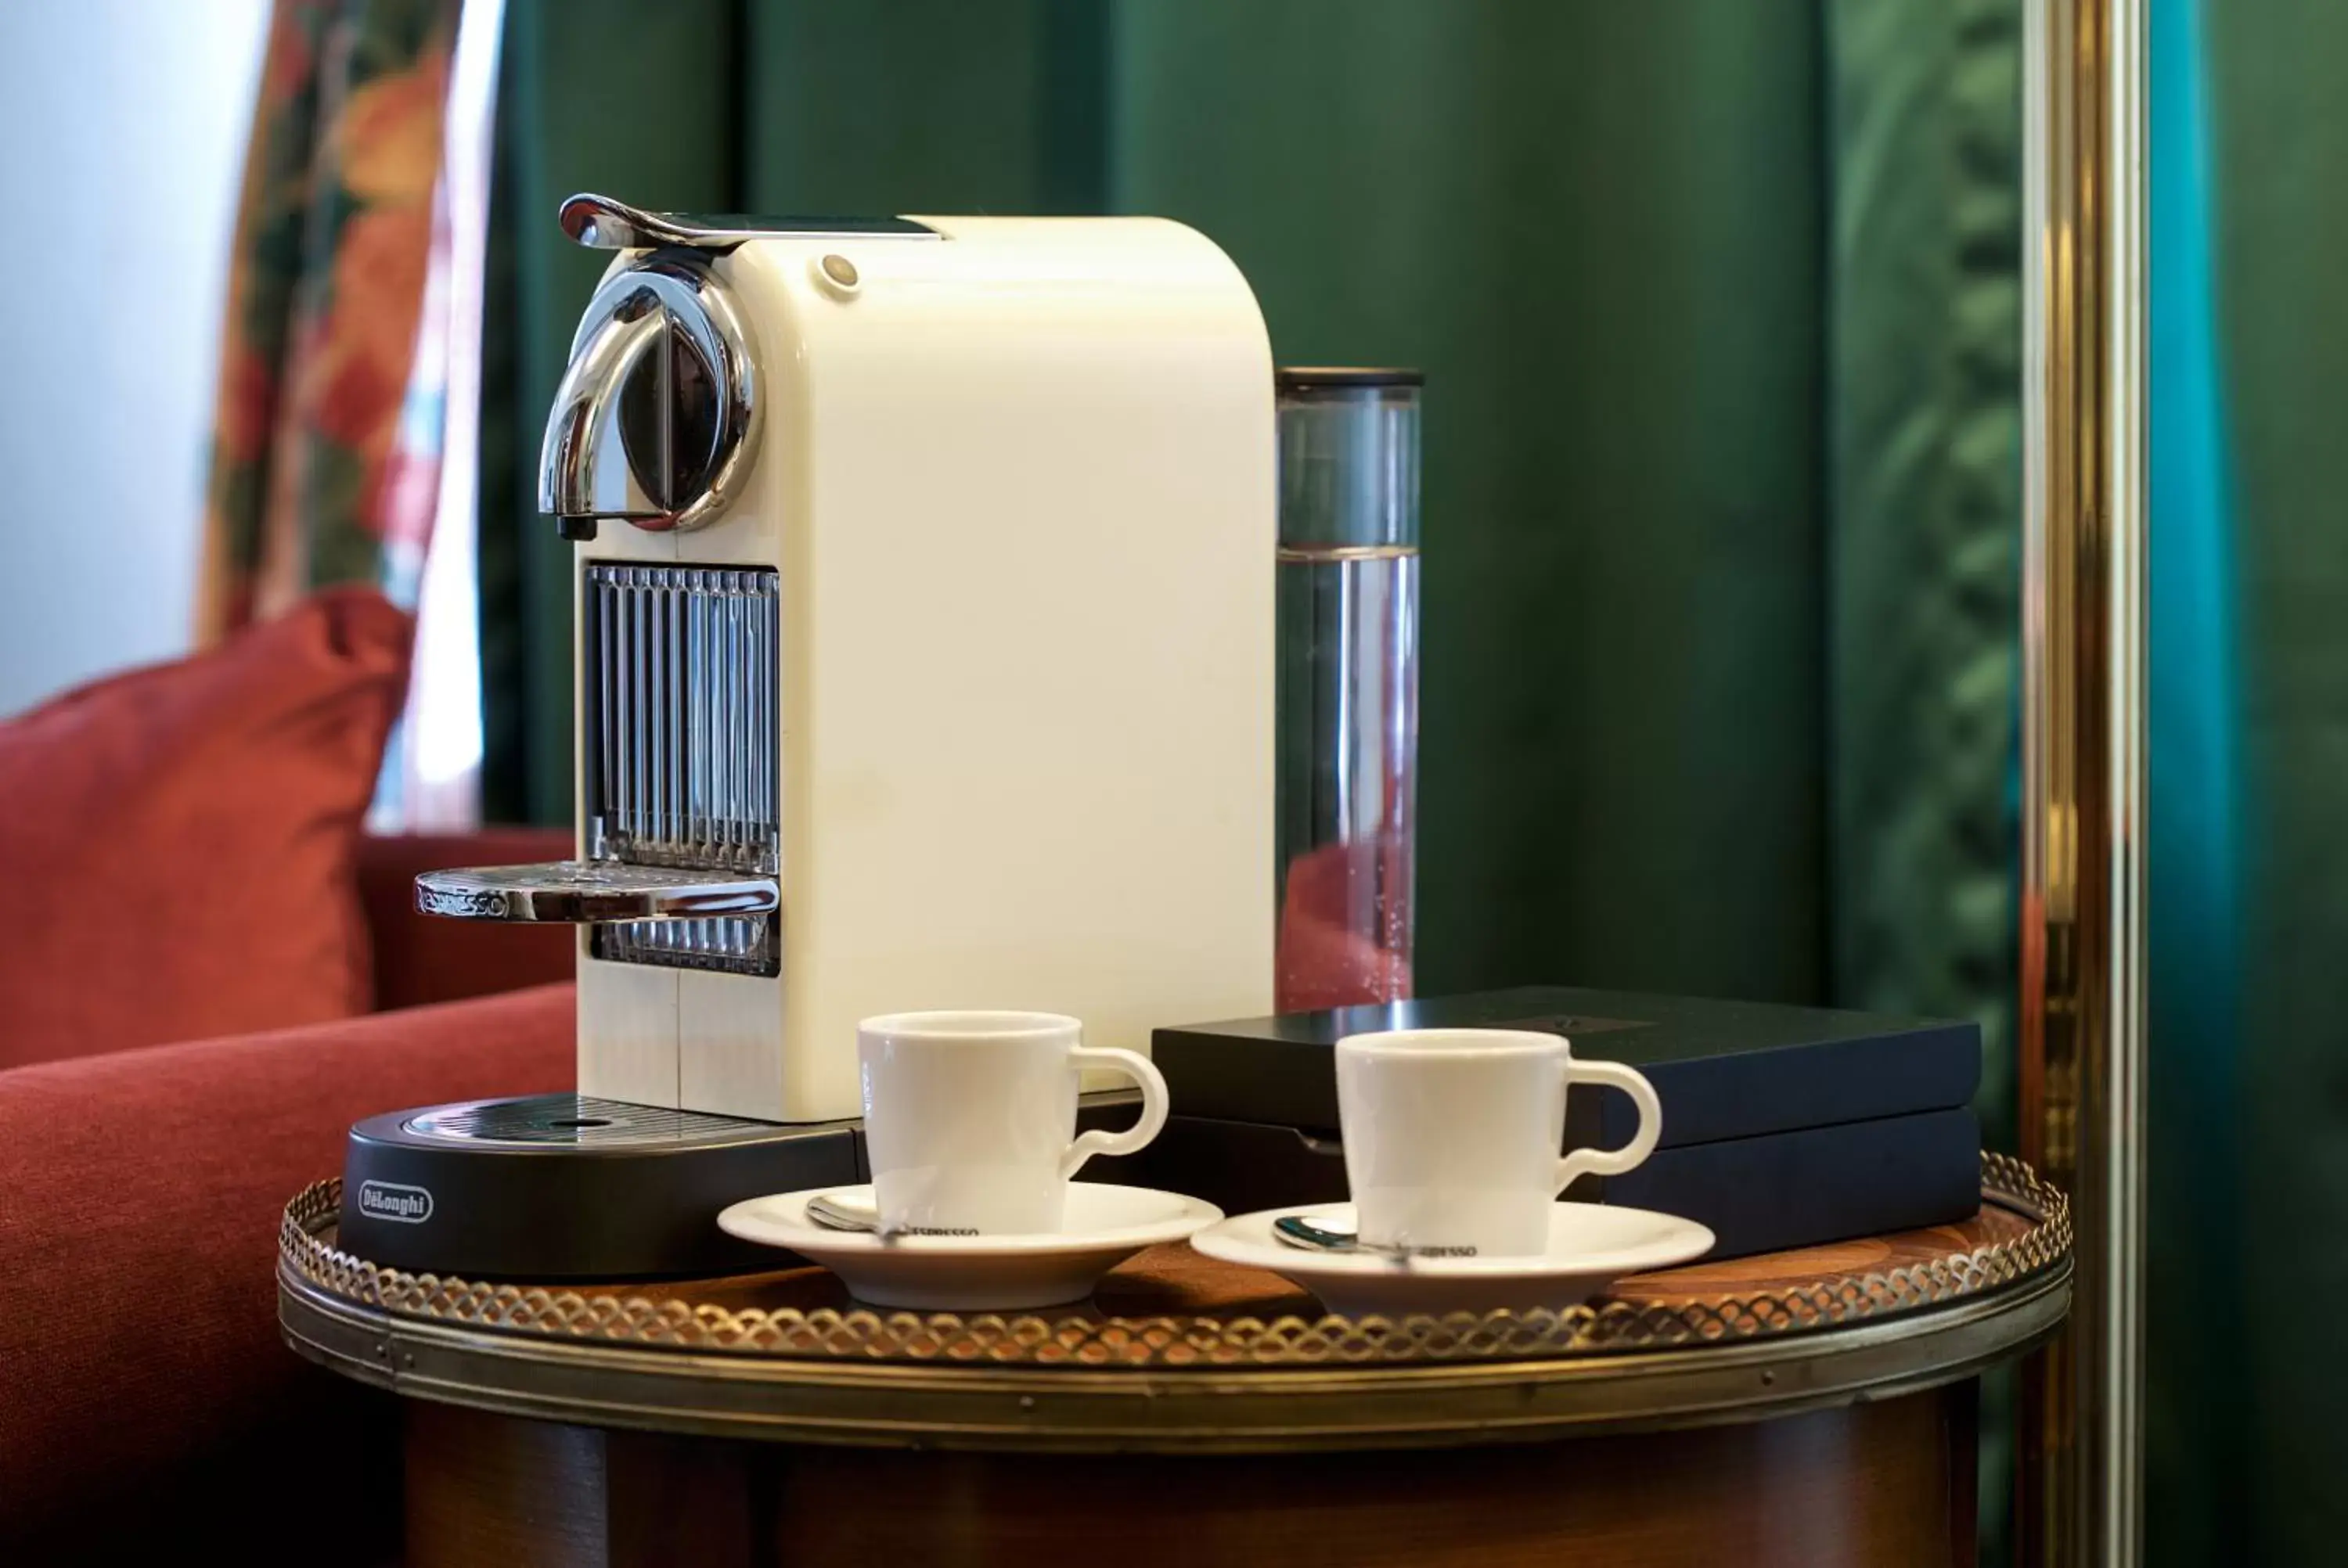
(327, 437)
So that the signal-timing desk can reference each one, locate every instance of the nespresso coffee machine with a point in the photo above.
(924, 629)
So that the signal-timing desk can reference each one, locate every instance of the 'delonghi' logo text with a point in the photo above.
(391, 1201)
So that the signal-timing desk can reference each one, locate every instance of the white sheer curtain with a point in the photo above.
(432, 776)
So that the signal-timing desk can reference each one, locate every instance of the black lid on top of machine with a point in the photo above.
(1722, 1069)
(1317, 377)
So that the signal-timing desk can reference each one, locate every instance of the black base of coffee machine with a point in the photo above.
(569, 1187)
(566, 1187)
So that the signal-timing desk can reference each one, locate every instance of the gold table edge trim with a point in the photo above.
(1174, 1384)
(865, 1335)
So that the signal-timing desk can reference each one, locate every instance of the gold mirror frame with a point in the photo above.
(2082, 1064)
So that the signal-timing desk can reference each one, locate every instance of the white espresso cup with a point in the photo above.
(1451, 1136)
(970, 1117)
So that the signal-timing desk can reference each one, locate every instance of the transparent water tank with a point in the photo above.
(1348, 685)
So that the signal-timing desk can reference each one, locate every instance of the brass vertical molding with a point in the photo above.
(2082, 884)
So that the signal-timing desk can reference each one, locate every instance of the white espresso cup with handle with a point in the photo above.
(1452, 1135)
(970, 1117)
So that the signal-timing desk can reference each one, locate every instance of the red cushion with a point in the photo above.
(179, 840)
(138, 1308)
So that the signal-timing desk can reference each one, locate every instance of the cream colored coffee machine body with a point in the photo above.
(925, 642)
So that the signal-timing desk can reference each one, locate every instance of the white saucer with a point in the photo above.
(1589, 1246)
(1105, 1226)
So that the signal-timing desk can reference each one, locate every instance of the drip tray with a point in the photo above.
(578, 891)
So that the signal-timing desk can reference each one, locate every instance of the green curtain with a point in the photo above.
(2249, 842)
(1598, 229)
(1924, 441)
(2199, 1401)
(1925, 433)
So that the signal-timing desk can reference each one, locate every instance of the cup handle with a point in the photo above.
(1613, 1162)
(1153, 1106)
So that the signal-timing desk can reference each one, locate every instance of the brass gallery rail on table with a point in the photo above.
(1180, 1354)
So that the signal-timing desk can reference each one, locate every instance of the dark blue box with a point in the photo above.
(1783, 1126)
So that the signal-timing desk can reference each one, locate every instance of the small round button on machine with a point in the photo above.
(838, 275)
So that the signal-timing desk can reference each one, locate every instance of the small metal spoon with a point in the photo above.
(1316, 1232)
(1327, 1233)
(835, 1214)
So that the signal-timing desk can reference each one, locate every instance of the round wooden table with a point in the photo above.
(1813, 1408)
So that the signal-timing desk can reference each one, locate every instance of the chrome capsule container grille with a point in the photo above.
(680, 746)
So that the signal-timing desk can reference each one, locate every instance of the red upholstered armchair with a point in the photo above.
(147, 1404)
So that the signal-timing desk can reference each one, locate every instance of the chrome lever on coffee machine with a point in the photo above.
(656, 418)
(603, 223)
